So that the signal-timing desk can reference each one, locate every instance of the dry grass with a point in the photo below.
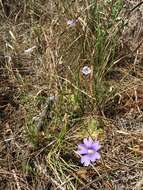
(47, 106)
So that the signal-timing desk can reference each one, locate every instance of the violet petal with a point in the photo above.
(82, 149)
(88, 142)
(95, 156)
(85, 160)
(96, 146)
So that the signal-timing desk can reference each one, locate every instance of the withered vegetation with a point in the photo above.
(47, 106)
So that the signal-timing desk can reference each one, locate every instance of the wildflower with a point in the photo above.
(89, 151)
(71, 23)
(86, 70)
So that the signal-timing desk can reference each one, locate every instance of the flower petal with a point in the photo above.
(95, 156)
(88, 142)
(85, 160)
(82, 149)
(71, 23)
(86, 70)
(96, 146)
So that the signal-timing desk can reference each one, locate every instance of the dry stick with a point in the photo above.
(67, 180)
(16, 179)
(138, 46)
(135, 7)
(44, 148)
(132, 52)
(91, 182)
(76, 87)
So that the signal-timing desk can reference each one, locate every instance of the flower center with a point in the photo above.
(90, 151)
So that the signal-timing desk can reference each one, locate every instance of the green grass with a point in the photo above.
(107, 27)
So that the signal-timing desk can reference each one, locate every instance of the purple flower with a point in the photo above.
(71, 23)
(86, 70)
(89, 151)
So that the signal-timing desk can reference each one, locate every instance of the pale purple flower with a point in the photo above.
(71, 23)
(88, 151)
(86, 70)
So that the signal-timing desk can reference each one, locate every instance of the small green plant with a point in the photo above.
(31, 133)
(93, 129)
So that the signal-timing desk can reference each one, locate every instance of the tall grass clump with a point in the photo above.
(93, 42)
(106, 27)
